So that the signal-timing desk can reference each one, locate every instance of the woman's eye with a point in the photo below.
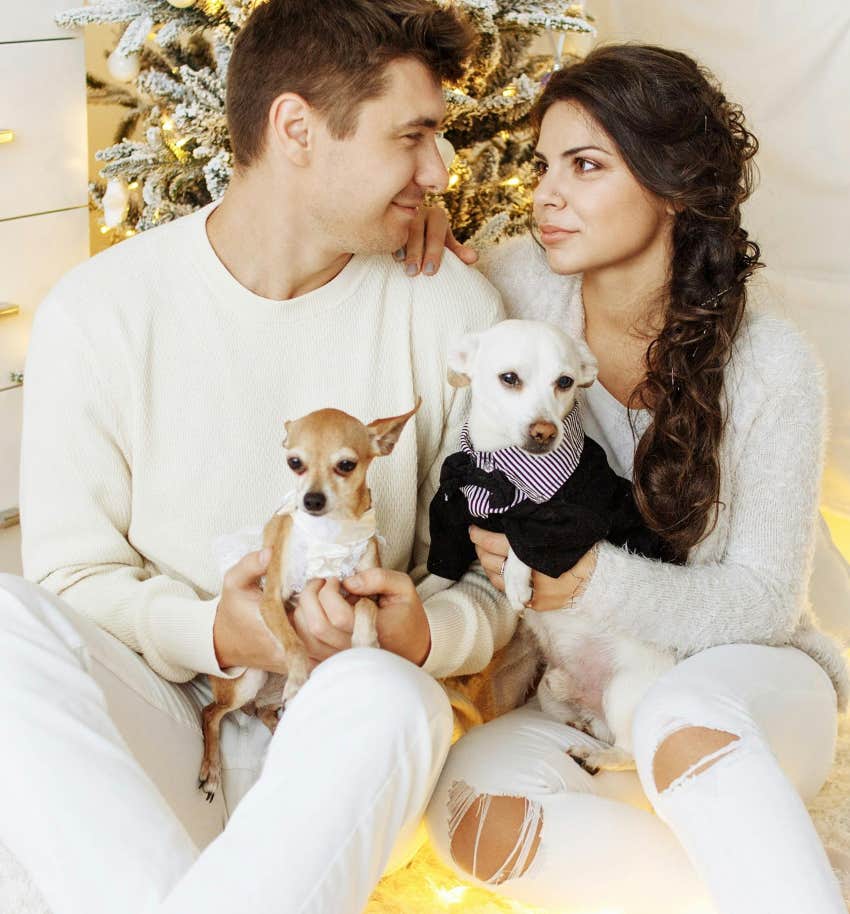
(580, 162)
(345, 466)
(565, 382)
(295, 464)
(540, 167)
(509, 379)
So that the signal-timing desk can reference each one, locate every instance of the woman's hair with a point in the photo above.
(686, 143)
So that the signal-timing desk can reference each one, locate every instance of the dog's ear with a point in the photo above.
(588, 366)
(285, 433)
(386, 432)
(460, 358)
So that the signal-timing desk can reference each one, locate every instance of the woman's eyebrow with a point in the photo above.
(573, 151)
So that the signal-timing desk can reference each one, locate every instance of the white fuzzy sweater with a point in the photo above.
(157, 387)
(748, 580)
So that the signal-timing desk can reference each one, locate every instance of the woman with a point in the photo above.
(718, 417)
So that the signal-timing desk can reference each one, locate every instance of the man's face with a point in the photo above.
(365, 190)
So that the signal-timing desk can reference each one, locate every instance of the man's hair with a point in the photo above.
(334, 54)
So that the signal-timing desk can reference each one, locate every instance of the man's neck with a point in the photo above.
(263, 241)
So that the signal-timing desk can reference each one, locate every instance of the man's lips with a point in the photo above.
(553, 233)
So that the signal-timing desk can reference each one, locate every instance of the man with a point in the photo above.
(159, 377)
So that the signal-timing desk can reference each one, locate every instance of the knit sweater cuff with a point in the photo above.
(599, 593)
(177, 640)
(448, 629)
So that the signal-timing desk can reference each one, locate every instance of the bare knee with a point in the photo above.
(691, 751)
(494, 838)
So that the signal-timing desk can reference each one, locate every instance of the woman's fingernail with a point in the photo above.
(399, 254)
(429, 268)
(411, 269)
(353, 581)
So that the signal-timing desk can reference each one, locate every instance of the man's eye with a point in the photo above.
(345, 466)
(295, 464)
(565, 382)
(510, 379)
(416, 137)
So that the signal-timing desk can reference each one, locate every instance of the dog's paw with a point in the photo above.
(594, 759)
(209, 779)
(517, 578)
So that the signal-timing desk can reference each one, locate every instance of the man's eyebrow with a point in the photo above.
(429, 122)
(573, 151)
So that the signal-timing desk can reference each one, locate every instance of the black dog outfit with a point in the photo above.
(552, 507)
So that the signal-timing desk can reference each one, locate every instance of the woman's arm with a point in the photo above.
(757, 591)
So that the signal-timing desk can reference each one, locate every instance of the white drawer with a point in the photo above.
(27, 20)
(34, 253)
(43, 100)
(11, 402)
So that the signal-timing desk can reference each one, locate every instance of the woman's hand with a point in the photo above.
(549, 593)
(430, 234)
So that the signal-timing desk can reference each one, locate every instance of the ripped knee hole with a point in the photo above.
(689, 752)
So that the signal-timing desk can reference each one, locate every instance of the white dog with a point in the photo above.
(524, 427)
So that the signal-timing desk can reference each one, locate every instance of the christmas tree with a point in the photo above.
(172, 155)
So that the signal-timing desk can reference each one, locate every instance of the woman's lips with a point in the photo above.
(410, 208)
(549, 234)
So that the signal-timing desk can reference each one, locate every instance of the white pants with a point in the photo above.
(734, 838)
(99, 772)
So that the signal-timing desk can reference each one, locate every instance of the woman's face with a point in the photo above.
(591, 212)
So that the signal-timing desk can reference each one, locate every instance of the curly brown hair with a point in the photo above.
(685, 142)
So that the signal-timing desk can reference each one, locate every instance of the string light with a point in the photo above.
(453, 180)
(512, 182)
(509, 92)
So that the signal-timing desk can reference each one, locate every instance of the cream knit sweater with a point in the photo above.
(157, 388)
(748, 581)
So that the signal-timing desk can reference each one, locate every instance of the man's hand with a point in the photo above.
(428, 236)
(240, 636)
(402, 623)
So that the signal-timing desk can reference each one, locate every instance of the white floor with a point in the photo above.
(10, 549)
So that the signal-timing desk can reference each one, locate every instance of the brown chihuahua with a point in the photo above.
(325, 529)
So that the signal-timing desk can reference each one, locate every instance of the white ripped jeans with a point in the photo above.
(734, 838)
(99, 772)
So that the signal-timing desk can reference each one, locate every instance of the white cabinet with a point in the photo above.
(43, 192)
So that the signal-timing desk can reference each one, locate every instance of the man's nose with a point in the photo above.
(314, 501)
(432, 174)
(542, 432)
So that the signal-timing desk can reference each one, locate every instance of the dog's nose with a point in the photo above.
(542, 432)
(314, 501)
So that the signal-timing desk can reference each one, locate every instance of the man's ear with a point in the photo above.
(386, 432)
(290, 122)
(460, 358)
(286, 426)
(588, 366)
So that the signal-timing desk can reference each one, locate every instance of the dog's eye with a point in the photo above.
(345, 466)
(565, 382)
(510, 379)
(295, 464)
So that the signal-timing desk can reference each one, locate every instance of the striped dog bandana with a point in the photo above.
(536, 477)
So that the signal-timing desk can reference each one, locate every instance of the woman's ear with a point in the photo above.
(460, 359)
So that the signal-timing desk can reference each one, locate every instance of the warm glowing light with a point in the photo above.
(133, 185)
(512, 182)
(168, 124)
(504, 134)
(839, 527)
(448, 896)
(453, 180)
(103, 230)
(509, 92)
(129, 233)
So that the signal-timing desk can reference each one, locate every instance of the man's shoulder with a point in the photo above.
(122, 273)
(457, 299)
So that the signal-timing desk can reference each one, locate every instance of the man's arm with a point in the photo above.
(76, 501)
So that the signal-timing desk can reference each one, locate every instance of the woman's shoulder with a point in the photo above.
(517, 267)
(771, 352)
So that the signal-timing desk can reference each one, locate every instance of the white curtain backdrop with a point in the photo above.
(788, 64)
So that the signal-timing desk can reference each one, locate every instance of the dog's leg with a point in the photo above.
(273, 605)
(228, 695)
(610, 758)
(517, 578)
(268, 701)
(365, 632)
